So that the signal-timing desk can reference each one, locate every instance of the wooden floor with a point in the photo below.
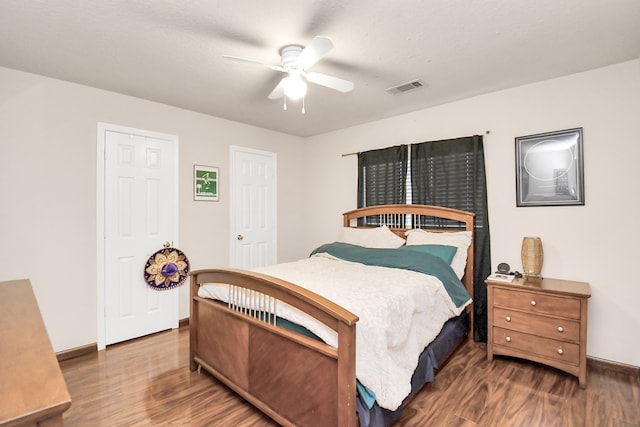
(146, 382)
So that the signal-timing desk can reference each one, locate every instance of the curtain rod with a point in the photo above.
(356, 153)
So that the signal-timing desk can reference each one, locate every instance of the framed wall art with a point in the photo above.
(549, 169)
(206, 183)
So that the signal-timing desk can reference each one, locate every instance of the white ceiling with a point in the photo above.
(170, 51)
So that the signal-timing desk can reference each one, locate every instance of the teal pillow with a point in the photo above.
(444, 252)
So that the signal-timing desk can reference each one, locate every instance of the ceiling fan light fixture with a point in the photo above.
(296, 61)
(294, 87)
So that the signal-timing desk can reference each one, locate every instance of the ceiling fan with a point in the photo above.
(296, 60)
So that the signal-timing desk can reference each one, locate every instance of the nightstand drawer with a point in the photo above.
(544, 347)
(537, 303)
(550, 327)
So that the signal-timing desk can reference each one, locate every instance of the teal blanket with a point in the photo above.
(404, 259)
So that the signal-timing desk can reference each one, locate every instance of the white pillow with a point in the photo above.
(459, 239)
(378, 237)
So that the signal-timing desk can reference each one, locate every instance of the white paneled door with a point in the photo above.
(253, 208)
(140, 214)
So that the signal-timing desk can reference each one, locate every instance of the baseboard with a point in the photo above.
(92, 348)
(77, 352)
(595, 363)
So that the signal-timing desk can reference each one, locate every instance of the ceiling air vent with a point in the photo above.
(406, 87)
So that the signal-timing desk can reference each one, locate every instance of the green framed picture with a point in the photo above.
(206, 183)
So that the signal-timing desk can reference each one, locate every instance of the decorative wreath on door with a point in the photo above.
(167, 268)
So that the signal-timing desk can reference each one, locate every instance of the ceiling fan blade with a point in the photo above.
(318, 48)
(330, 82)
(278, 91)
(251, 61)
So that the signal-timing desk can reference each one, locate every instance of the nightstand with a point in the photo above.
(543, 320)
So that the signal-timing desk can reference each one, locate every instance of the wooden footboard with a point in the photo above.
(294, 379)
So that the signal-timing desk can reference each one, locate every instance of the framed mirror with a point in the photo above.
(549, 169)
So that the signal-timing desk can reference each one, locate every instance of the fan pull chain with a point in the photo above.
(303, 105)
(285, 102)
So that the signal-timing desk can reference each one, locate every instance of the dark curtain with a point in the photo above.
(451, 173)
(382, 176)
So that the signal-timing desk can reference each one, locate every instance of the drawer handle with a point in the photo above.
(508, 318)
(533, 303)
(560, 351)
(508, 339)
(560, 329)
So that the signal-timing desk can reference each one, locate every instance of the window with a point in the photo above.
(450, 173)
(382, 176)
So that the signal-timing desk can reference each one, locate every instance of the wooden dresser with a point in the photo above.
(32, 389)
(543, 320)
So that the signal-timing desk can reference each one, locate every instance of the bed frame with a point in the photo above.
(294, 379)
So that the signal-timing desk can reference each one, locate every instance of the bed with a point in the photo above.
(288, 367)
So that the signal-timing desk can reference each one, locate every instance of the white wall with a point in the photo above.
(596, 243)
(48, 172)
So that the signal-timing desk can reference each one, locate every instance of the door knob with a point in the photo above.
(239, 237)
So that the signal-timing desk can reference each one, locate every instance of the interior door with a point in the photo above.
(253, 208)
(140, 214)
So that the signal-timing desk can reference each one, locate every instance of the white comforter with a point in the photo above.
(400, 313)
